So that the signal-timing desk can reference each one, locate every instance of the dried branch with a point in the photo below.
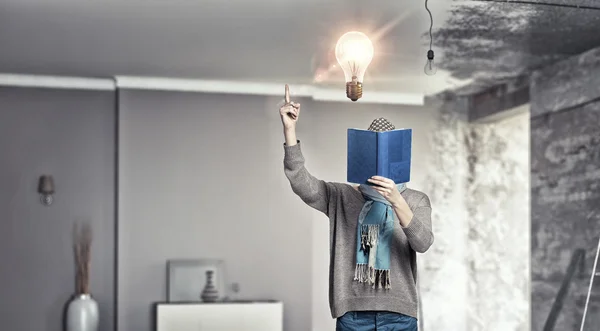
(82, 251)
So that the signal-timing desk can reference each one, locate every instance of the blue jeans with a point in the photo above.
(375, 321)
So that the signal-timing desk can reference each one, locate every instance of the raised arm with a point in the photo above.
(314, 192)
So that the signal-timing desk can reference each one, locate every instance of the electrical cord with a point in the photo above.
(430, 25)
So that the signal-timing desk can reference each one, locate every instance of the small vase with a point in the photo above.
(82, 314)
(210, 292)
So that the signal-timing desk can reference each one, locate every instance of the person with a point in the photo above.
(375, 232)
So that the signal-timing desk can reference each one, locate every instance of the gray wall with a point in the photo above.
(565, 171)
(70, 135)
(201, 175)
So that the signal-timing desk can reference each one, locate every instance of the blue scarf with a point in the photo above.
(375, 230)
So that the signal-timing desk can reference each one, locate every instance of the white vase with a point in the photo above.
(82, 314)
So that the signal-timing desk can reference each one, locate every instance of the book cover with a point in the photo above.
(386, 154)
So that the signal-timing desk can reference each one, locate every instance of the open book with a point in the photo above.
(386, 154)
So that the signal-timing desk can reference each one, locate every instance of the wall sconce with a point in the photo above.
(46, 190)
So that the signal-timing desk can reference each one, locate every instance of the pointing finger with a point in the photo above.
(287, 94)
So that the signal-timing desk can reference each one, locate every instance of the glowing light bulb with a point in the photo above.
(354, 52)
(430, 68)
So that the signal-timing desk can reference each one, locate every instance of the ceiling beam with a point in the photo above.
(500, 101)
(57, 82)
(206, 86)
(566, 84)
(261, 88)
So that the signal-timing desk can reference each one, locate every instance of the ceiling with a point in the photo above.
(493, 42)
(477, 43)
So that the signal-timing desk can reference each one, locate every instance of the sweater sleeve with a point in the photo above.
(314, 192)
(419, 231)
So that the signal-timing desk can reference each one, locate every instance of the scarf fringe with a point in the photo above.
(377, 278)
(369, 234)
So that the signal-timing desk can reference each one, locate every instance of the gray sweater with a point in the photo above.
(342, 203)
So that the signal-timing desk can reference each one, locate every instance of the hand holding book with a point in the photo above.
(387, 188)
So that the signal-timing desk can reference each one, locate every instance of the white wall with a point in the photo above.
(443, 271)
(476, 276)
(498, 204)
(202, 176)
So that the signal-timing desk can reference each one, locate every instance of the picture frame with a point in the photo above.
(186, 279)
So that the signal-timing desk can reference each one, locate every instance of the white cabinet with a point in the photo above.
(226, 316)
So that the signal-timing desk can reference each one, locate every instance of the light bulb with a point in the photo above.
(354, 52)
(430, 68)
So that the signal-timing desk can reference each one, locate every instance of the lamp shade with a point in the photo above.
(46, 185)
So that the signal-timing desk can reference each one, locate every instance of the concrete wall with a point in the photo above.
(565, 171)
(71, 135)
(443, 272)
(478, 185)
(498, 224)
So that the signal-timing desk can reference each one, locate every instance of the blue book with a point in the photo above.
(385, 154)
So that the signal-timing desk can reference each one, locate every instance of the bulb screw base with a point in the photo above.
(354, 90)
(430, 55)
